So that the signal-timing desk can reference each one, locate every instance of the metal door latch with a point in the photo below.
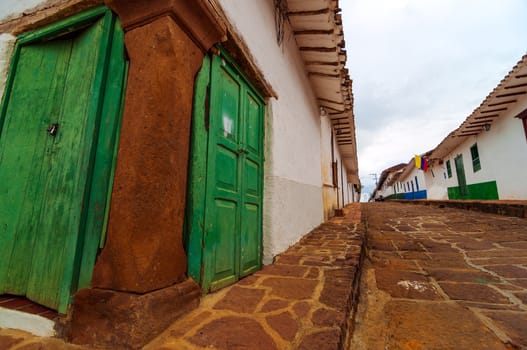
(53, 129)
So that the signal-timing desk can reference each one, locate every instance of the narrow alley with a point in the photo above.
(440, 278)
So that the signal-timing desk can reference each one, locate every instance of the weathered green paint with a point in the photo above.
(115, 69)
(460, 172)
(482, 191)
(195, 212)
(225, 194)
(55, 188)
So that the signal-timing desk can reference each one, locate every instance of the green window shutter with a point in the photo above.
(448, 169)
(476, 165)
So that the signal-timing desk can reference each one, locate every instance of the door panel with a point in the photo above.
(229, 100)
(21, 172)
(460, 172)
(224, 256)
(250, 239)
(223, 183)
(251, 226)
(232, 236)
(251, 178)
(67, 174)
(48, 213)
(253, 128)
(45, 171)
(227, 169)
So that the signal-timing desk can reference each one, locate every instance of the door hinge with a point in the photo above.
(207, 108)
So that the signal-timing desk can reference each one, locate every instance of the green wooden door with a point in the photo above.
(49, 138)
(232, 192)
(461, 179)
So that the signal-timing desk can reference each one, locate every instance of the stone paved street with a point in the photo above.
(303, 301)
(433, 279)
(439, 278)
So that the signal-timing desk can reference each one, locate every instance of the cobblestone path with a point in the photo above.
(302, 301)
(438, 278)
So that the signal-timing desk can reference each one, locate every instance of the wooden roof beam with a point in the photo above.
(494, 110)
(318, 49)
(512, 94)
(314, 32)
(515, 86)
(309, 13)
(501, 103)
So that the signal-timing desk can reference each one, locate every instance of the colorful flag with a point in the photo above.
(424, 164)
(418, 162)
(421, 163)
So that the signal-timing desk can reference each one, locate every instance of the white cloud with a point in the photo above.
(420, 67)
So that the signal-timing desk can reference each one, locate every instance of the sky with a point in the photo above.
(420, 67)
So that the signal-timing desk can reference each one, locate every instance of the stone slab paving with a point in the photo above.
(17, 340)
(302, 301)
(516, 208)
(440, 278)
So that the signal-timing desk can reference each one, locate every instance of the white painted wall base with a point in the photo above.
(37, 325)
(291, 209)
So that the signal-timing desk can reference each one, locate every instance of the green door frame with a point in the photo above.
(104, 116)
(195, 231)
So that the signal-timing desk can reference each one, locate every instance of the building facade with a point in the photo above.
(486, 157)
(175, 147)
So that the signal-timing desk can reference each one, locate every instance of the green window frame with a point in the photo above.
(476, 164)
(448, 169)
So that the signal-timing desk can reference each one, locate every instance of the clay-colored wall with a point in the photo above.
(144, 248)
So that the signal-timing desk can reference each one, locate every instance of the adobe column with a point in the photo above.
(166, 42)
(142, 267)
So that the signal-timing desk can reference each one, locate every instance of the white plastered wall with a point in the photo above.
(435, 179)
(333, 197)
(502, 153)
(10, 9)
(387, 190)
(409, 179)
(293, 181)
(7, 43)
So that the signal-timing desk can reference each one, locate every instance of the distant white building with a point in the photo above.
(402, 181)
(385, 188)
(484, 159)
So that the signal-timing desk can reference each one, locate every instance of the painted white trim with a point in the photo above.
(34, 324)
